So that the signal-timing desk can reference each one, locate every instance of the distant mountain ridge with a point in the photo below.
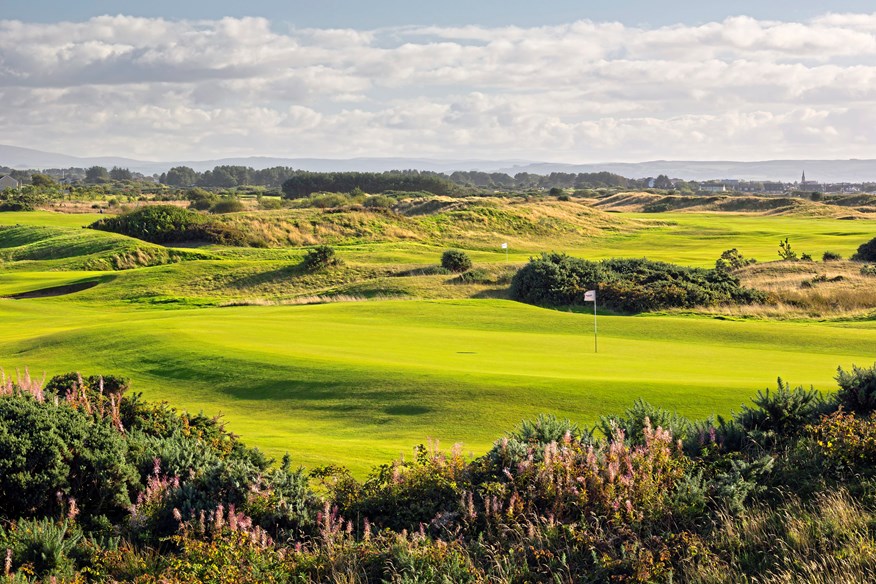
(832, 171)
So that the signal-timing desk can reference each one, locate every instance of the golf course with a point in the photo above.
(357, 364)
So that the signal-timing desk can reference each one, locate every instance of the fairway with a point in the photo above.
(357, 383)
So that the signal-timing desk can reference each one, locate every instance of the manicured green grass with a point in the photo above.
(360, 383)
(357, 383)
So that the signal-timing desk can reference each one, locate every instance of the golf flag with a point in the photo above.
(590, 296)
(504, 246)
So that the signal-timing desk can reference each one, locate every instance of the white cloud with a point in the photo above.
(585, 91)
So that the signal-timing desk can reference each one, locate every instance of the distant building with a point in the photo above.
(720, 188)
(7, 182)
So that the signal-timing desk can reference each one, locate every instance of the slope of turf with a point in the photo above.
(355, 383)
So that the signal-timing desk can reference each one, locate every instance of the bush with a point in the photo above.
(320, 258)
(44, 545)
(830, 256)
(866, 252)
(626, 285)
(868, 270)
(201, 199)
(731, 260)
(227, 205)
(379, 202)
(857, 391)
(270, 203)
(455, 260)
(171, 224)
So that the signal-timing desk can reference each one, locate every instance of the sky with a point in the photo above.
(561, 81)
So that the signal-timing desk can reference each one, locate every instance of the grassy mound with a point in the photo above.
(65, 248)
(171, 224)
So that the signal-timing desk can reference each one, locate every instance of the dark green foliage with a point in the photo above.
(830, 256)
(780, 415)
(625, 285)
(21, 200)
(171, 224)
(633, 421)
(320, 258)
(785, 251)
(379, 202)
(731, 260)
(61, 385)
(303, 183)
(44, 544)
(866, 252)
(455, 260)
(227, 205)
(46, 449)
(201, 199)
(857, 391)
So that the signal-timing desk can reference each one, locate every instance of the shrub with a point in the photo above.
(847, 441)
(785, 251)
(270, 203)
(731, 260)
(320, 258)
(857, 391)
(171, 224)
(379, 202)
(44, 545)
(626, 285)
(46, 449)
(201, 199)
(868, 270)
(830, 256)
(227, 205)
(866, 252)
(455, 261)
(781, 415)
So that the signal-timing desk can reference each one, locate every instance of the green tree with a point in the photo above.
(96, 174)
(118, 173)
(42, 180)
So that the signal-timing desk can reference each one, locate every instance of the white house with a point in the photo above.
(7, 182)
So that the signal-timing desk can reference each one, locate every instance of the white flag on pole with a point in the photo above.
(590, 296)
(504, 246)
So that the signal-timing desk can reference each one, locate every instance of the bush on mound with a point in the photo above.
(626, 285)
(866, 252)
(170, 224)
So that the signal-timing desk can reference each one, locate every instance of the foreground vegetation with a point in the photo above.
(99, 485)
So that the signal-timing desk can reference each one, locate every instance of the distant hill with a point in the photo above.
(782, 170)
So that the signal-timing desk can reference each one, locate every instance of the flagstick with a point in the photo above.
(595, 336)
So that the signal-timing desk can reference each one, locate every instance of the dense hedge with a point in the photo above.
(626, 285)
(171, 224)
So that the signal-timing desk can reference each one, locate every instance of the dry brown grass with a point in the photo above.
(807, 290)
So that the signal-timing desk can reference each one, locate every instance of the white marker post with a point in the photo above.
(590, 296)
(505, 247)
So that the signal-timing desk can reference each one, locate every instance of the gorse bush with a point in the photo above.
(227, 205)
(857, 391)
(625, 285)
(866, 252)
(455, 261)
(171, 224)
(320, 258)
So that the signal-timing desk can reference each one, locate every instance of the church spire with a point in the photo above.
(803, 181)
